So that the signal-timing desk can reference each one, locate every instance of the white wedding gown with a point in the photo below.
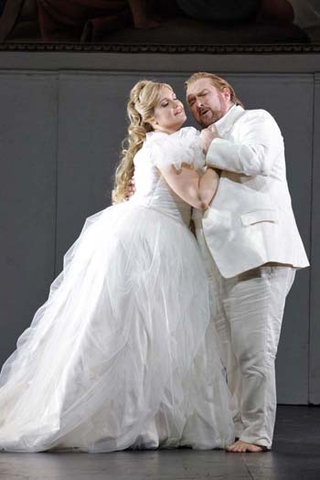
(123, 353)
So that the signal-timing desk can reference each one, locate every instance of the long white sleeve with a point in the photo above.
(258, 141)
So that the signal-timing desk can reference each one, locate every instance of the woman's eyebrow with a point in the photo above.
(164, 98)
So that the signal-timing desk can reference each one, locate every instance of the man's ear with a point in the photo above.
(226, 93)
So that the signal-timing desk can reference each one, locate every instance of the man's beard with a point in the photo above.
(212, 119)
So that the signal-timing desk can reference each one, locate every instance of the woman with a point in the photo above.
(122, 354)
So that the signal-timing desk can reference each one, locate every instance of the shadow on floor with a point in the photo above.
(295, 456)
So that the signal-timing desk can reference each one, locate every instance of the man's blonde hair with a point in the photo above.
(217, 82)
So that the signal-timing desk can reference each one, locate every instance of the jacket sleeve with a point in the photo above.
(258, 143)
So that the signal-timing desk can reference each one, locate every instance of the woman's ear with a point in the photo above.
(153, 123)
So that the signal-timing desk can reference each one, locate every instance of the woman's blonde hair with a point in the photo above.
(144, 96)
(218, 82)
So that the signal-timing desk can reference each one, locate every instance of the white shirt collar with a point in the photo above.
(226, 122)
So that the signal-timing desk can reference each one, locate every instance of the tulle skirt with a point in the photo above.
(123, 353)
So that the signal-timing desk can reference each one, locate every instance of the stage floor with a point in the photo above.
(295, 456)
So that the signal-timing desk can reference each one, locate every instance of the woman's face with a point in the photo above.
(169, 114)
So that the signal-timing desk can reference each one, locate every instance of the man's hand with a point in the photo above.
(207, 135)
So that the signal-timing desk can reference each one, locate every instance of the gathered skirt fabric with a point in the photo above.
(123, 354)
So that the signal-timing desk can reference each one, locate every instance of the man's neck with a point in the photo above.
(221, 119)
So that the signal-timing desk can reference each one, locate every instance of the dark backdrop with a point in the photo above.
(60, 135)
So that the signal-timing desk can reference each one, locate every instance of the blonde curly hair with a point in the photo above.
(144, 96)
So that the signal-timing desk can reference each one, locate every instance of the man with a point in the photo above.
(251, 246)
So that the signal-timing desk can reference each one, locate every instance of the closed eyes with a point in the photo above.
(201, 94)
(166, 103)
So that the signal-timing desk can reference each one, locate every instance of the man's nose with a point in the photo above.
(199, 103)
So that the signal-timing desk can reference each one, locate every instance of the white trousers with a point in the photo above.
(247, 312)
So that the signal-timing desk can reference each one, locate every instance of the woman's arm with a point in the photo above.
(193, 188)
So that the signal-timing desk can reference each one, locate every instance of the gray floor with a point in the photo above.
(295, 456)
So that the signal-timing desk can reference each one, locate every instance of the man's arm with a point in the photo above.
(260, 142)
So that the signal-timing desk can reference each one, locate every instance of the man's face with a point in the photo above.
(206, 102)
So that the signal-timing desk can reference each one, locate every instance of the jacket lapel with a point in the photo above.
(225, 124)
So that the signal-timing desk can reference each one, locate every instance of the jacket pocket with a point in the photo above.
(258, 216)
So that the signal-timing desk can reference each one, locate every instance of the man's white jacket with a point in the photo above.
(250, 221)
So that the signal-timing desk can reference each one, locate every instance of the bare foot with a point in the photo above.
(242, 447)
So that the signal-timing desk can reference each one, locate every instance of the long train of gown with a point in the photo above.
(123, 353)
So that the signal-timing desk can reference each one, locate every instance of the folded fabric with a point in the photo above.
(11, 11)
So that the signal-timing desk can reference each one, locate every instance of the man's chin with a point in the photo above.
(205, 123)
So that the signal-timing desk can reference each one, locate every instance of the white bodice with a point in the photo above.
(158, 150)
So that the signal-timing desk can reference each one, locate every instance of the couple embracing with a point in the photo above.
(152, 336)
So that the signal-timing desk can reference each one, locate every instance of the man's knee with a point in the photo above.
(256, 366)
